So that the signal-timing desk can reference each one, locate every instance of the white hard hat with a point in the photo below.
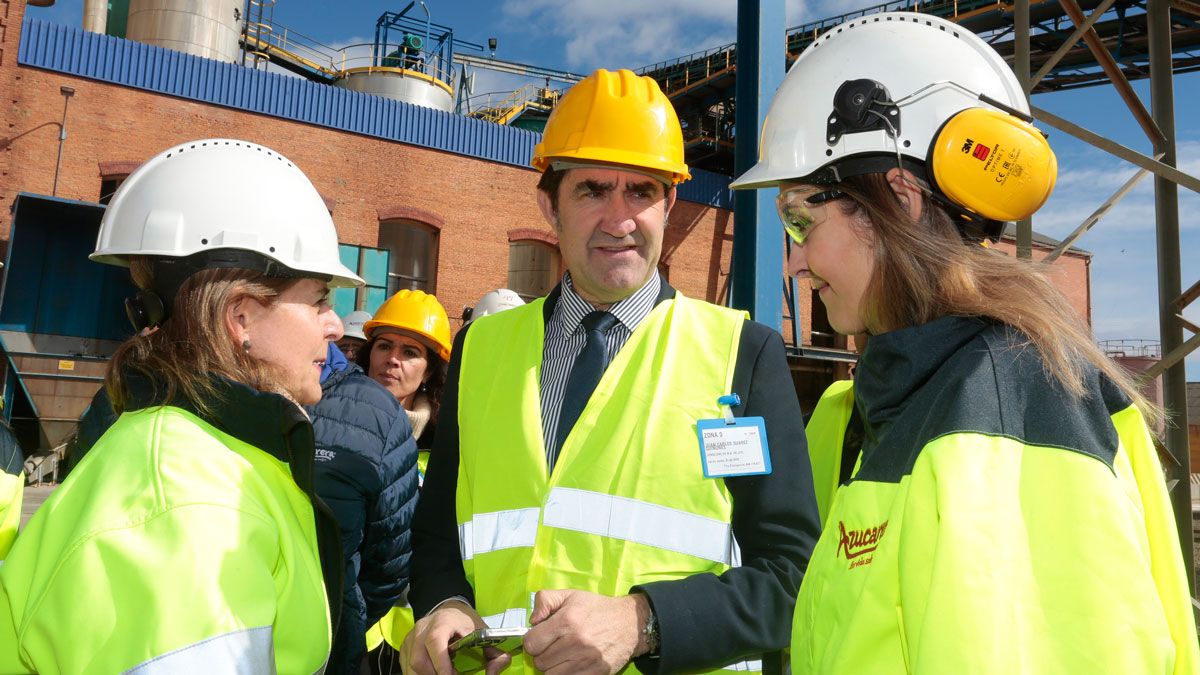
(495, 301)
(930, 70)
(353, 322)
(227, 196)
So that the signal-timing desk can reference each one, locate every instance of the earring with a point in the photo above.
(246, 345)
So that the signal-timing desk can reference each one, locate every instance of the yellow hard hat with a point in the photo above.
(416, 312)
(615, 118)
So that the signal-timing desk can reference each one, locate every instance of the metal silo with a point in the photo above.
(1136, 357)
(208, 28)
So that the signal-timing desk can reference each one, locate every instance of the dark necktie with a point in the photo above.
(585, 374)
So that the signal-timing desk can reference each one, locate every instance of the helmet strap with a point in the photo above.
(153, 306)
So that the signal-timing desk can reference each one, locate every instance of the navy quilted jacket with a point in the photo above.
(366, 472)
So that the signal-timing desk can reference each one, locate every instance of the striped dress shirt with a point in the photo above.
(565, 338)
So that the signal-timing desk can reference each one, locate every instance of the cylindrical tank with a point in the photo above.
(400, 84)
(95, 15)
(1136, 357)
(207, 28)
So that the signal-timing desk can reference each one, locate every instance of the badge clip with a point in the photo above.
(727, 402)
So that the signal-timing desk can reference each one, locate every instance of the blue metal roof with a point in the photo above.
(74, 51)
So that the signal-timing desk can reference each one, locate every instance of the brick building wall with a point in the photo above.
(475, 202)
(1071, 273)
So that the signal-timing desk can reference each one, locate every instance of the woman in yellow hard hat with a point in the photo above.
(407, 349)
(408, 346)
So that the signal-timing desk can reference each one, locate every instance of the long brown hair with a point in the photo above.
(924, 270)
(193, 343)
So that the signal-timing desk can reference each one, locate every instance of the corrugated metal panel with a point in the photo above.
(71, 50)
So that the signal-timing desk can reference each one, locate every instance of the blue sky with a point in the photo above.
(580, 35)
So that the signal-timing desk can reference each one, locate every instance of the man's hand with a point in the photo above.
(426, 648)
(580, 632)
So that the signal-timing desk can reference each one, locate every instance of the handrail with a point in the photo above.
(810, 31)
(335, 62)
(527, 96)
(306, 50)
(64, 357)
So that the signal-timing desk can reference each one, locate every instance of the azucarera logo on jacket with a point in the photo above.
(323, 455)
(858, 543)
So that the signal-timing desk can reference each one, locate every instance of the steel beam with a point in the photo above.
(1166, 204)
(1183, 321)
(1110, 67)
(1021, 67)
(1160, 169)
(1096, 216)
(514, 68)
(1173, 359)
(1186, 7)
(1067, 45)
(1186, 298)
(757, 246)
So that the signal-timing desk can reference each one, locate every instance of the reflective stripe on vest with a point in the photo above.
(517, 617)
(607, 516)
(249, 652)
(641, 522)
(754, 666)
(488, 532)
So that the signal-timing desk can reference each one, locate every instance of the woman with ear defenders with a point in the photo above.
(189, 538)
(1008, 514)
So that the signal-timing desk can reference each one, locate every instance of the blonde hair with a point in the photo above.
(194, 344)
(924, 270)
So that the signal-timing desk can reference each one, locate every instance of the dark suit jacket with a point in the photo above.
(705, 621)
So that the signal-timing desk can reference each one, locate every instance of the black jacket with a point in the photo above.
(12, 460)
(705, 621)
(96, 420)
(366, 472)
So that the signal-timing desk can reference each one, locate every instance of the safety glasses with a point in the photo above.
(797, 213)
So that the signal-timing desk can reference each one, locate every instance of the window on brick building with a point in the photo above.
(533, 268)
(414, 255)
(109, 185)
(372, 265)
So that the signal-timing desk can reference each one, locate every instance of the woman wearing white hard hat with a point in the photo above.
(353, 336)
(189, 539)
(1008, 513)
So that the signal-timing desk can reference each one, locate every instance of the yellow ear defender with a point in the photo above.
(992, 163)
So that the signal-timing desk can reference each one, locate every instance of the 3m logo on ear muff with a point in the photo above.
(993, 164)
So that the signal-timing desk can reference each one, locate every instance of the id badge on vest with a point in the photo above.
(733, 446)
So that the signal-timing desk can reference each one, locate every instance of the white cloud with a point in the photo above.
(648, 32)
(1124, 270)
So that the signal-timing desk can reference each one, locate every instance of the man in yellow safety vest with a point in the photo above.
(618, 466)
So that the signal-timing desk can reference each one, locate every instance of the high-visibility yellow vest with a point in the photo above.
(961, 566)
(627, 502)
(826, 435)
(12, 489)
(399, 621)
(172, 547)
